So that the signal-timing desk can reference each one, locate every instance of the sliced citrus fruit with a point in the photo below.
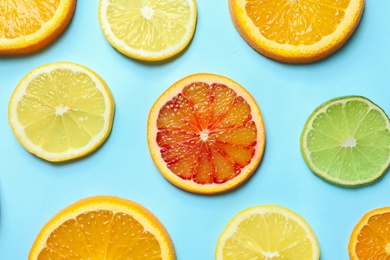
(148, 30)
(28, 26)
(267, 232)
(103, 227)
(296, 31)
(346, 141)
(370, 239)
(206, 133)
(61, 111)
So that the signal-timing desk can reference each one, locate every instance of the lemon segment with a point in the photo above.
(61, 111)
(148, 30)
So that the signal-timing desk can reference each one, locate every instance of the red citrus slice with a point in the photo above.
(206, 134)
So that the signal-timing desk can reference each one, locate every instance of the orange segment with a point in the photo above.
(296, 31)
(32, 25)
(370, 238)
(206, 134)
(103, 227)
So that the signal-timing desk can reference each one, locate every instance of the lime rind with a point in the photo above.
(346, 141)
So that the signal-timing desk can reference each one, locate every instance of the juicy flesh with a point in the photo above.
(206, 133)
(373, 242)
(349, 141)
(101, 235)
(24, 17)
(149, 25)
(296, 22)
(61, 110)
(268, 236)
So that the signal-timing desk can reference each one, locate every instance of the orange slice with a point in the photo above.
(103, 227)
(28, 26)
(206, 134)
(370, 239)
(296, 31)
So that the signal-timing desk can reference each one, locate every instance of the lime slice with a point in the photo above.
(346, 141)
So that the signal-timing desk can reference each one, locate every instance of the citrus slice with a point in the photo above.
(103, 227)
(346, 141)
(28, 26)
(149, 30)
(370, 239)
(61, 111)
(267, 232)
(296, 31)
(206, 134)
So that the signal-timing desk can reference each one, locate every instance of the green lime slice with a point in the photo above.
(346, 141)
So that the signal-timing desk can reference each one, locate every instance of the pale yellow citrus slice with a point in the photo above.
(296, 31)
(148, 30)
(206, 134)
(28, 26)
(370, 239)
(103, 227)
(267, 232)
(61, 111)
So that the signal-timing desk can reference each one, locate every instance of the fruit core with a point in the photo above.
(270, 255)
(349, 142)
(61, 110)
(206, 133)
(147, 12)
(387, 248)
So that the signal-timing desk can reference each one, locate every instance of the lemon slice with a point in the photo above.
(346, 141)
(61, 111)
(148, 30)
(267, 232)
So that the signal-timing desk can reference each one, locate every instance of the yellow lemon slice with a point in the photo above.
(148, 30)
(103, 227)
(267, 232)
(61, 111)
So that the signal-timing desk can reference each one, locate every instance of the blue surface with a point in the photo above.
(33, 190)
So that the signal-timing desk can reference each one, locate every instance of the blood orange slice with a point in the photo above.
(206, 134)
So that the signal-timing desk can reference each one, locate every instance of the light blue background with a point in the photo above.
(33, 190)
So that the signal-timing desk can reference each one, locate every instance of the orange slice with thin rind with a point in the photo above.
(206, 134)
(370, 239)
(296, 31)
(28, 26)
(103, 227)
